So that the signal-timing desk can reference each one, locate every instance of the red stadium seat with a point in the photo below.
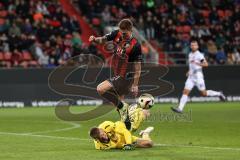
(33, 63)
(2, 21)
(7, 56)
(205, 13)
(3, 13)
(26, 56)
(179, 29)
(186, 29)
(96, 21)
(1, 56)
(220, 13)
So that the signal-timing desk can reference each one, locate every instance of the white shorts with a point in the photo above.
(199, 83)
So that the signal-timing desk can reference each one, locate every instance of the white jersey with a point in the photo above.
(195, 71)
(195, 77)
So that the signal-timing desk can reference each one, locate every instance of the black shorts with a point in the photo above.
(121, 85)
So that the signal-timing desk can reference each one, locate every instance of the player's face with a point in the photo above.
(194, 46)
(103, 137)
(126, 34)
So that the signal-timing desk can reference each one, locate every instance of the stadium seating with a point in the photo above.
(27, 25)
(173, 22)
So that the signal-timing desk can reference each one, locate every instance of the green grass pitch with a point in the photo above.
(37, 134)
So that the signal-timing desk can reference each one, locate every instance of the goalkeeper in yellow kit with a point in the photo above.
(109, 135)
(118, 135)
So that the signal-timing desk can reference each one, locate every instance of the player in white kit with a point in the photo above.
(195, 76)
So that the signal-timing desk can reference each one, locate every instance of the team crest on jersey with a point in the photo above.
(122, 49)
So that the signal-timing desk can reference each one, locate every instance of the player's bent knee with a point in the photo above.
(103, 87)
(204, 93)
(186, 92)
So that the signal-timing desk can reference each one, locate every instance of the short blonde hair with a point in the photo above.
(125, 24)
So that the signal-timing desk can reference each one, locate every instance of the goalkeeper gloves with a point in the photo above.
(128, 147)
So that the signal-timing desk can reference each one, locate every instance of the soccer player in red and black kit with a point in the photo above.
(126, 64)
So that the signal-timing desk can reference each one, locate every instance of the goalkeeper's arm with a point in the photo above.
(127, 135)
(128, 139)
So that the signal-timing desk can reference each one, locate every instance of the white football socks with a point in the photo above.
(183, 101)
(212, 93)
(184, 98)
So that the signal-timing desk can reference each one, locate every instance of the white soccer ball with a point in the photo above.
(146, 101)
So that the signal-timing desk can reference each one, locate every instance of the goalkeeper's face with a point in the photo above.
(99, 134)
(103, 136)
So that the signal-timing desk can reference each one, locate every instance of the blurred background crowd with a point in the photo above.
(39, 33)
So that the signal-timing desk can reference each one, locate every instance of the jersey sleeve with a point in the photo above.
(121, 129)
(127, 136)
(201, 57)
(110, 36)
(107, 126)
(136, 56)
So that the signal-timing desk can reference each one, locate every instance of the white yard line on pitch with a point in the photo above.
(43, 136)
(202, 147)
(74, 126)
(85, 139)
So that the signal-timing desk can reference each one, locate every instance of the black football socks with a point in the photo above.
(112, 96)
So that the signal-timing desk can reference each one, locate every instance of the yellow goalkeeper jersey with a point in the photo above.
(117, 133)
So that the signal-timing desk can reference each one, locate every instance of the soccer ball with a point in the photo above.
(146, 101)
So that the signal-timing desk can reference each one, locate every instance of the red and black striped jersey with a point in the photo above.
(126, 52)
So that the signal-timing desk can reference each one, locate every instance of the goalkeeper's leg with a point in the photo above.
(145, 141)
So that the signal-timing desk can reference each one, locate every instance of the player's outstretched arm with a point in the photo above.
(98, 40)
(127, 135)
(128, 138)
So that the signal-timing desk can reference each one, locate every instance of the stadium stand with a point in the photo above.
(216, 24)
(37, 33)
(41, 34)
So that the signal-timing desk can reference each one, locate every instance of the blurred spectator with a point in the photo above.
(173, 23)
(43, 59)
(145, 51)
(14, 30)
(237, 56)
(230, 59)
(33, 33)
(42, 27)
(221, 56)
(16, 58)
(212, 50)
